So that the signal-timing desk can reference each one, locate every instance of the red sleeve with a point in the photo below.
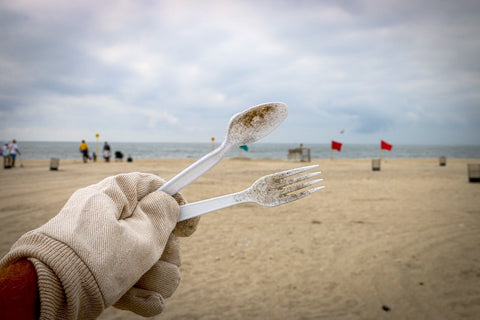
(19, 297)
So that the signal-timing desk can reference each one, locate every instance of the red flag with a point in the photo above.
(336, 146)
(385, 145)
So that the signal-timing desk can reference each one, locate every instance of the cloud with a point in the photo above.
(180, 69)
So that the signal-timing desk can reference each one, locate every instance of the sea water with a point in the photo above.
(151, 150)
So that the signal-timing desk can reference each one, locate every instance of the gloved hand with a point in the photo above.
(111, 243)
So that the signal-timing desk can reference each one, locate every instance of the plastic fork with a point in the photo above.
(271, 190)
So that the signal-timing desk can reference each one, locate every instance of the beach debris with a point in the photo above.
(385, 308)
(269, 191)
(245, 127)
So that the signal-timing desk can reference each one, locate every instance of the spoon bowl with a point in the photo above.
(245, 127)
(255, 123)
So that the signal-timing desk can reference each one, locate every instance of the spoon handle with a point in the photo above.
(195, 170)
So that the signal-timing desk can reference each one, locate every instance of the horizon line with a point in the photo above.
(305, 144)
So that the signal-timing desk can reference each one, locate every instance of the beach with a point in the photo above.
(399, 243)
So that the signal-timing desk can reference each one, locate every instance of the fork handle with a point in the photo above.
(191, 210)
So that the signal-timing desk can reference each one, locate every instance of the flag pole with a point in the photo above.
(331, 154)
(97, 136)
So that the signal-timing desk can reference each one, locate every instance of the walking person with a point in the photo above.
(13, 149)
(84, 151)
(7, 160)
(106, 152)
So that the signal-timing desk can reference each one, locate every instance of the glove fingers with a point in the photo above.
(128, 189)
(142, 302)
(187, 227)
(180, 199)
(172, 253)
(162, 278)
(162, 211)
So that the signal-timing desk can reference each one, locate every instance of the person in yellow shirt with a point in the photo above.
(84, 151)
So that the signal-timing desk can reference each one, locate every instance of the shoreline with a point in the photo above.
(260, 150)
(79, 160)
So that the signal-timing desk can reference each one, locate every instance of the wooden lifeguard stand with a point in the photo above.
(299, 154)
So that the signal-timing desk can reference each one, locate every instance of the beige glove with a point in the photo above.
(101, 244)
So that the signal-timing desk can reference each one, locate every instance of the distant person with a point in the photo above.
(7, 160)
(13, 149)
(84, 151)
(107, 153)
(118, 156)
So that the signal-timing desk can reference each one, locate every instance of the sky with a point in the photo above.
(405, 71)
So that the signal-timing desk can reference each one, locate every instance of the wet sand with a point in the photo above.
(400, 243)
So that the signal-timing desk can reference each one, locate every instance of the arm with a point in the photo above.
(18, 291)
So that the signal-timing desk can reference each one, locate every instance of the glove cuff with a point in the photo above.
(65, 283)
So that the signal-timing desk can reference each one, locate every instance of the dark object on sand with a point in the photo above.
(375, 164)
(54, 162)
(473, 172)
(118, 156)
(385, 308)
(442, 161)
(129, 159)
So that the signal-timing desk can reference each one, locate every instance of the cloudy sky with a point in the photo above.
(404, 71)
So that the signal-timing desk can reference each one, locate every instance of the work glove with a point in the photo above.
(112, 243)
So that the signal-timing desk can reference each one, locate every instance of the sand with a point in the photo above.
(401, 243)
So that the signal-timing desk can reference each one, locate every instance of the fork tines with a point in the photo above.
(294, 185)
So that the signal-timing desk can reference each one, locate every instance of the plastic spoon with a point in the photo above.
(245, 127)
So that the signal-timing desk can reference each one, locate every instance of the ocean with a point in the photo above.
(144, 150)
